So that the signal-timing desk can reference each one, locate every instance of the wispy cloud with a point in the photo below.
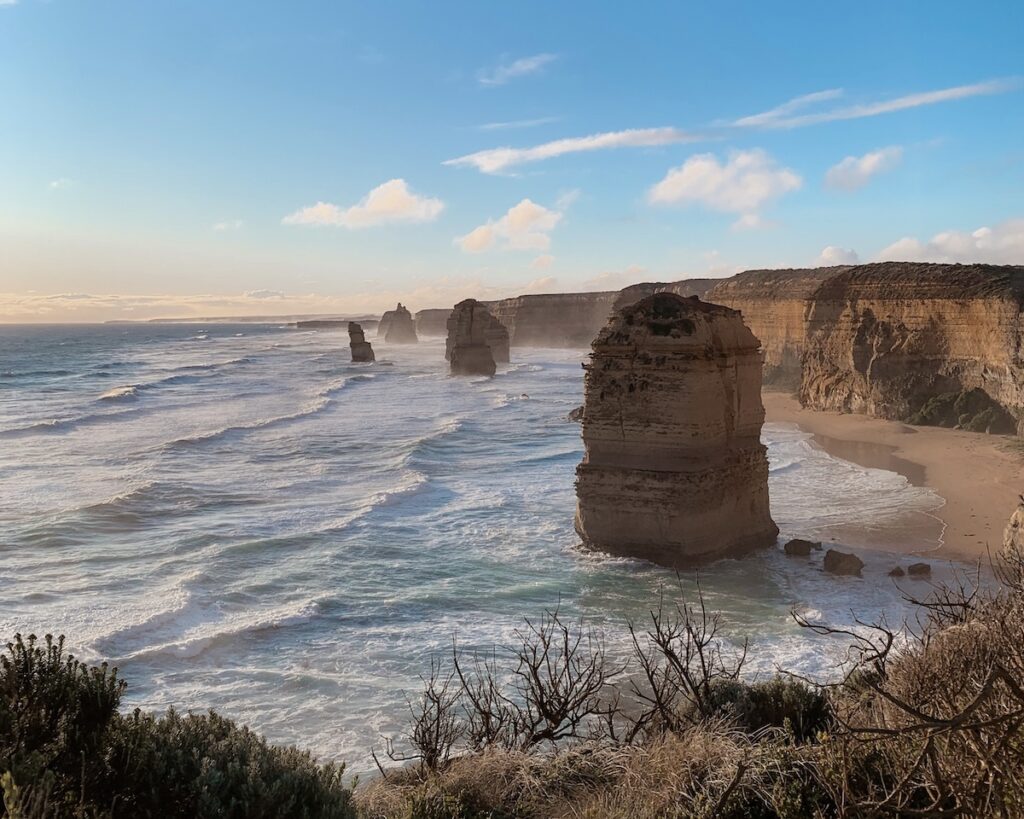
(498, 160)
(229, 224)
(526, 226)
(742, 184)
(793, 113)
(786, 116)
(853, 172)
(522, 67)
(517, 124)
(8, 3)
(63, 182)
(388, 203)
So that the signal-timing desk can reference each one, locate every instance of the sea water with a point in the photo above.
(240, 518)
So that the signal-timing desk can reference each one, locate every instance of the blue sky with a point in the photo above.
(262, 157)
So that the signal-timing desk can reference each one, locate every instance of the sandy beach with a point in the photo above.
(979, 476)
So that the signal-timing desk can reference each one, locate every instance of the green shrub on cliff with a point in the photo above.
(65, 750)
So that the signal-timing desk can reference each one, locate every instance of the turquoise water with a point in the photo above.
(240, 518)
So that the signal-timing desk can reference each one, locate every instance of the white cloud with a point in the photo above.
(545, 284)
(522, 67)
(853, 172)
(526, 226)
(8, 2)
(497, 160)
(229, 224)
(264, 294)
(743, 184)
(832, 255)
(717, 267)
(1002, 244)
(387, 203)
(785, 116)
(517, 124)
(63, 182)
(542, 262)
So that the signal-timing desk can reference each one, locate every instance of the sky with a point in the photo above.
(225, 158)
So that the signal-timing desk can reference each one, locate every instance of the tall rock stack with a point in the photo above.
(361, 349)
(398, 326)
(470, 328)
(674, 470)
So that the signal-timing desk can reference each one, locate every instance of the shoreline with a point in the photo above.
(978, 476)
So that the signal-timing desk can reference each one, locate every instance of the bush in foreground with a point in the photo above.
(65, 750)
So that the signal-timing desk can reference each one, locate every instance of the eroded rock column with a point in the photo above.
(398, 326)
(674, 470)
(361, 349)
(471, 330)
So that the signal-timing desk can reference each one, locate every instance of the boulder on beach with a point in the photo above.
(837, 562)
(919, 570)
(897, 571)
(361, 349)
(1013, 536)
(674, 470)
(798, 547)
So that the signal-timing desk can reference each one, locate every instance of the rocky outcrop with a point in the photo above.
(397, 326)
(837, 562)
(471, 328)
(885, 339)
(361, 349)
(1013, 536)
(674, 470)
(554, 320)
(798, 547)
(494, 333)
(432, 322)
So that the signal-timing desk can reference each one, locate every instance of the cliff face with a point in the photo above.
(774, 304)
(397, 326)
(470, 329)
(674, 470)
(889, 339)
(553, 320)
(360, 347)
(432, 322)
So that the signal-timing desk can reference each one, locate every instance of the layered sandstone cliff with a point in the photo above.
(360, 347)
(432, 322)
(900, 340)
(398, 326)
(471, 331)
(674, 470)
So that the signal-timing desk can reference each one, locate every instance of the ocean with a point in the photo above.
(239, 518)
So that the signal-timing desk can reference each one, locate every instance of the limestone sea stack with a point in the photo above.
(472, 331)
(361, 349)
(398, 326)
(674, 470)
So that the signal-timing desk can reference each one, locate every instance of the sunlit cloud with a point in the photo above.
(742, 184)
(526, 226)
(542, 262)
(522, 67)
(389, 203)
(854, 172)
(831, 256)
(1002, 244)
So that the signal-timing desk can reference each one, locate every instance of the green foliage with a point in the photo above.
(973, 410)
(780, 702)
(66, 751)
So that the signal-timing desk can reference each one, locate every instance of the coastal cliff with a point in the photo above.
(432, 322)
(903, 340)
(674, 470)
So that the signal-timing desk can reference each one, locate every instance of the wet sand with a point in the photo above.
(978, 476)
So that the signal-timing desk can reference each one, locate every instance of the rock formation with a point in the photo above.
(798, 547)
(397, 326)
(890, 339)
(837, 562)
(674, 470)
(470, 329)
(432, 322)
(1013, 537)
(361, 349)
